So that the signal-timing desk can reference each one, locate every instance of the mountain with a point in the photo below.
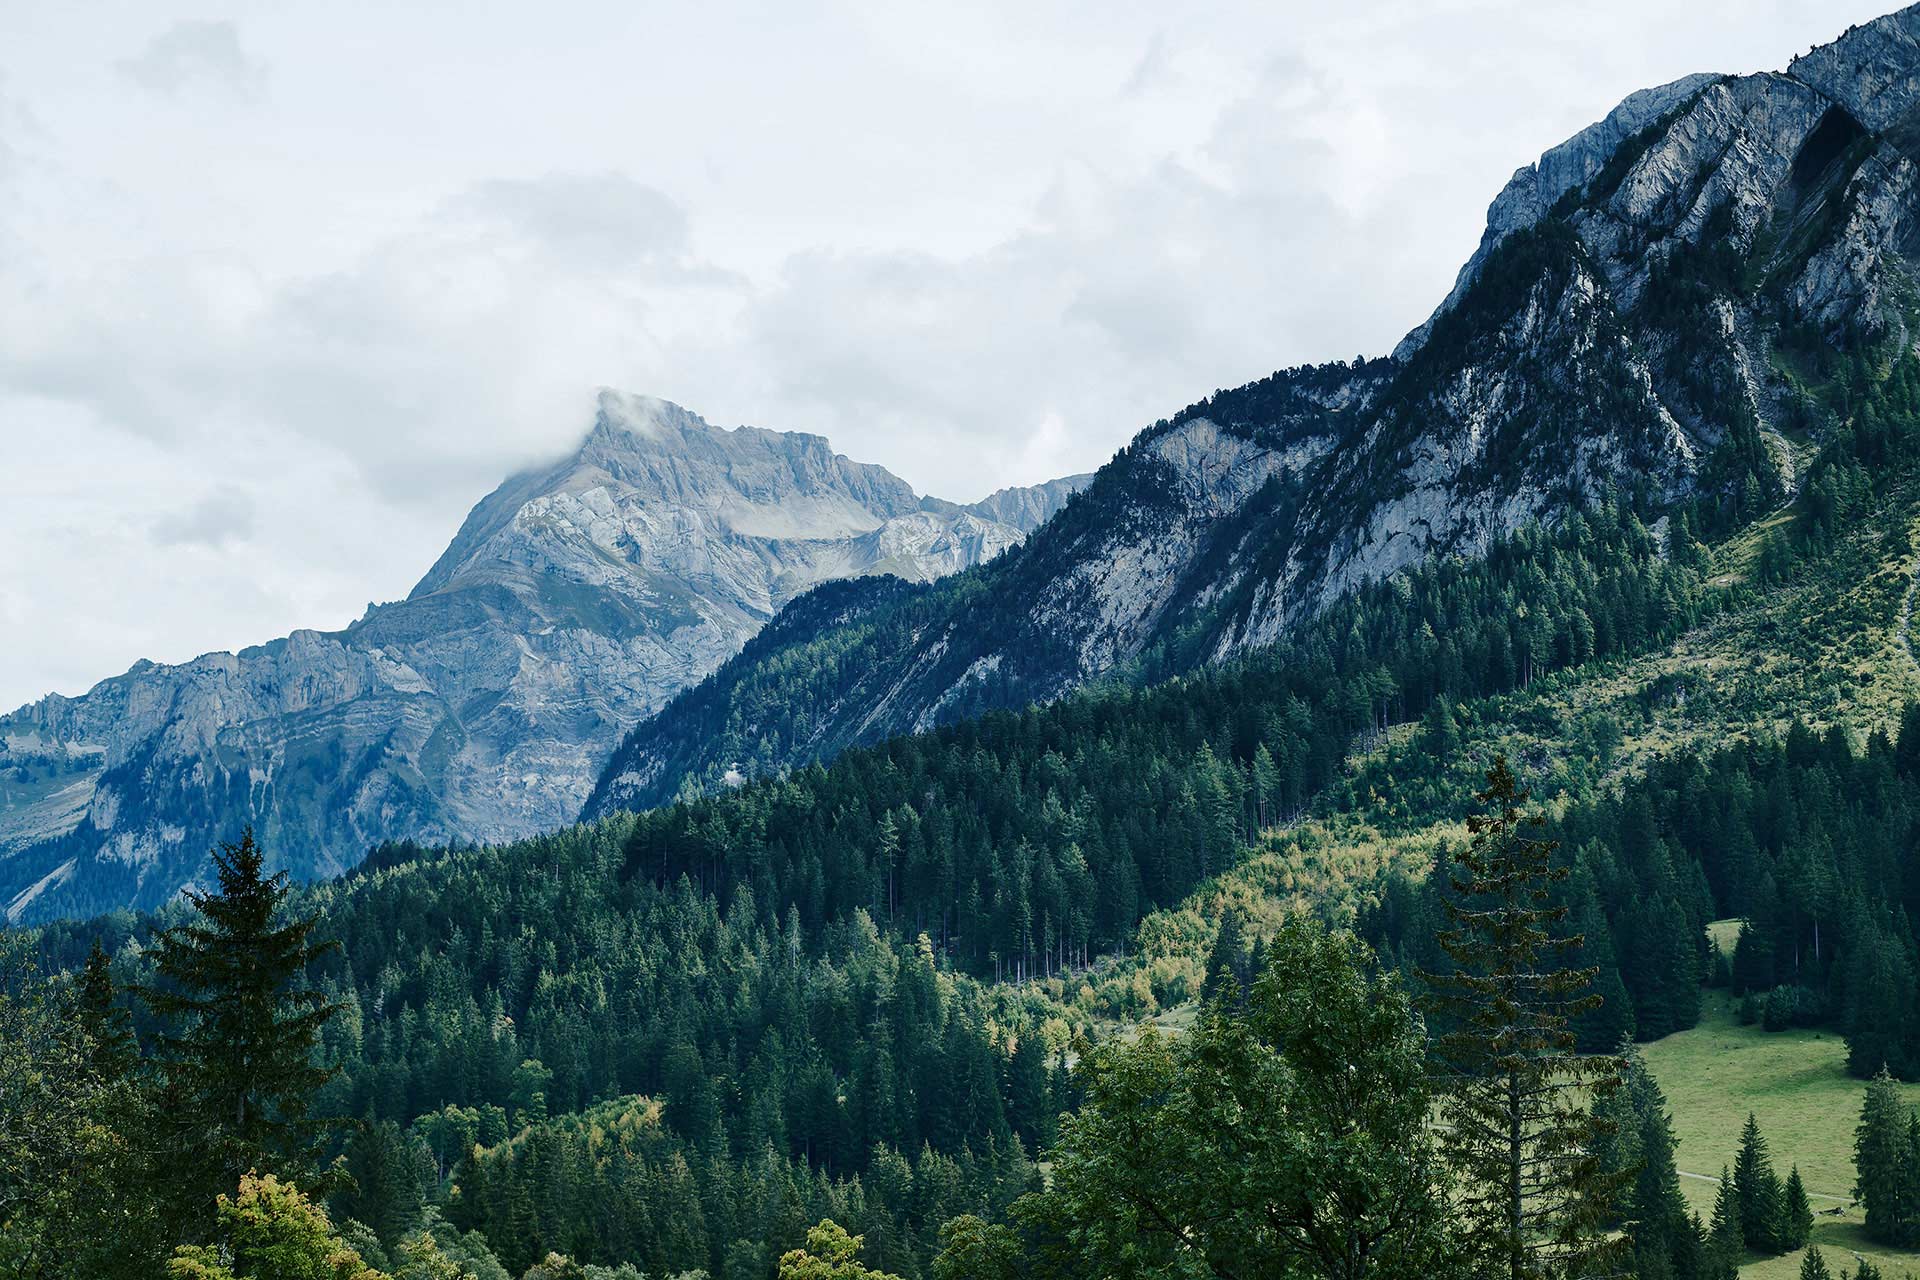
(868, 991)
(1645, 312)
(575, 599)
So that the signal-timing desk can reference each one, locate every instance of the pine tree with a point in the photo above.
(384, 1165)
(1797, 1220)
(1757, 1190)
(1534, 1192)
(1906, 1193)
(242, 1029)
(1726, 1243)
(1653, 1211)
(1879, 1159)
(1227, 961)
(108, 1026)
(1814, 1267)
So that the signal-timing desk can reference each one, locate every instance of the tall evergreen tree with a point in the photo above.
(1519, 1133)
(107, 1024)
(1797, 1216)
(1757, 1190)
(1639, 1149)
(241, 1026)
(1227, 961)
(1726, 1244)
(1880, 1160)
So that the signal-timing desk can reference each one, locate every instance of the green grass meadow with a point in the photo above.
(1796, 1084)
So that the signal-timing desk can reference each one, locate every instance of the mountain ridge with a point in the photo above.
(577, 596)
(1634, 317)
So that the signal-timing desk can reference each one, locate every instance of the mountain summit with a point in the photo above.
(575, 599)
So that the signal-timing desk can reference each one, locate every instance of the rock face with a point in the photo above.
(1621, 323)
(575, 600)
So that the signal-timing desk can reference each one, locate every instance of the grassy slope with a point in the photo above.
(1795, 1083)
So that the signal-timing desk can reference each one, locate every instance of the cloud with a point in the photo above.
(1150, 70)
(1126, 296)
(980, 246)
(224, 516)
(187, 53)
(605, 220)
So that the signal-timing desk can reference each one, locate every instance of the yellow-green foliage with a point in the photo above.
(270, 1231)
(1827, 647)
(1318, 867)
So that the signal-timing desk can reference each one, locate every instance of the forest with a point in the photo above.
(219, 1140)
(800, 1027)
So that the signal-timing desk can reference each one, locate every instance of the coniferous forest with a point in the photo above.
(1481, 839)
(806, 1023)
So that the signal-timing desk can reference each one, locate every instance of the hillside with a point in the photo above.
(575, 599)
(1648, 309)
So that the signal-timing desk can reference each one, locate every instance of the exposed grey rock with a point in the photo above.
(1536, 188)
(1873, 70)
(575, 599)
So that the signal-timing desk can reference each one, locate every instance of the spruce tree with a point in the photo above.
(108, 1027)
(1534, 1192)
(241, 1026)
(1797, 1221)
(1906, 1187)
(1652, 1209)
(1726, 1244)
(1880, 1159)
(1757, 1190)
(1814, 1267)
(1227, 961)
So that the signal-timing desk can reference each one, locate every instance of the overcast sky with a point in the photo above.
(286, 288)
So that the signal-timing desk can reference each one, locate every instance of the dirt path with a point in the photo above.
(1811, 1195)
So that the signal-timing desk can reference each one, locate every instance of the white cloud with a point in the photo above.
(189, 53)
(255, 364)
(223, 516)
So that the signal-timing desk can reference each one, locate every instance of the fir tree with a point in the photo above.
(1797, 1220)
(1726, 1242)
(1519, 1136)
(242, 1029)
(1814, 1267)
(108, 1027)
(1880, 1160)
(1757, 1190)
(1639, 1149)
(1227, 962)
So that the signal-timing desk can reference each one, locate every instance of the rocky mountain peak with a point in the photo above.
(576, 598)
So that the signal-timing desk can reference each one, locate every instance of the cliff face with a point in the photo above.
(1630, 320)
(575, 600)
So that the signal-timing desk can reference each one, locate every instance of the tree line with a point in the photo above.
(1287, 1133)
